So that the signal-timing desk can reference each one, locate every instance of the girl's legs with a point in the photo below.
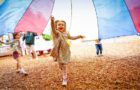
(19, 67)
(63, 68)
(16, 57)
(18, 63)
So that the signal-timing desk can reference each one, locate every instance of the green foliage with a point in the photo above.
(46, 37)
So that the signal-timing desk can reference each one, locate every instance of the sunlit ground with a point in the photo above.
(117, 69)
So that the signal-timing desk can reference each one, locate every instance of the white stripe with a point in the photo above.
(84, 19)
(61, 11)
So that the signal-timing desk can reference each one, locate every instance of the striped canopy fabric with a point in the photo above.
(95, 18)
(117, 17)
(24, 15)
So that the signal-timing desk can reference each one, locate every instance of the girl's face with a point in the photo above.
(60, 26)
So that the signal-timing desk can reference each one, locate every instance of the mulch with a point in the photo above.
(117, 69)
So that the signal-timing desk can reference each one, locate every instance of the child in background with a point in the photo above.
(98, 46)
(17, 53)
(29, 38)
(61, 51)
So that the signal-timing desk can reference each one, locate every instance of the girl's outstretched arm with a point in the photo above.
(53, 25)
(76, 37)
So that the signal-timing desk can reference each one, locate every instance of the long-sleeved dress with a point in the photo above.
(61, 50)
(16, 48)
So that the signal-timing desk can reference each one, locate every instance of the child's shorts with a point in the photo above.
(15, 54)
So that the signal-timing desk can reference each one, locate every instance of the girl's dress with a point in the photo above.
(15, 44)
(61, 51)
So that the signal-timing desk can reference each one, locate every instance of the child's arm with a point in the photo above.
(76, 37)
(90, 40)
(1, 42)
(53, 25)
(34, 34)
(8, 43)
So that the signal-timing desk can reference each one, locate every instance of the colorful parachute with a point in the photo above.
(117, 17)
(100, 18)
(93, 18)
(24, 15)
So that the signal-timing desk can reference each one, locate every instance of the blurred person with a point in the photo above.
(98, 46)
(15, 44)
(29, 38)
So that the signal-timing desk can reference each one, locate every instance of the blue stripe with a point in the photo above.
(113, 18)
(10, 13)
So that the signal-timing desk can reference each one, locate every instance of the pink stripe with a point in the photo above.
(134, 8)
(36, 17)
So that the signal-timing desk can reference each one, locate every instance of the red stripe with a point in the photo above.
(134, 8)
(36, 17)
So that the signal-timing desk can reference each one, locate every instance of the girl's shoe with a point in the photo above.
(54, 59)
(64, 82)
(18, 71)
(22, 71)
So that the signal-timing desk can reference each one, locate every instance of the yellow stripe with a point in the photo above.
(68, 42)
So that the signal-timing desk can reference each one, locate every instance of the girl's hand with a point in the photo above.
(52, 18)
(81, 36)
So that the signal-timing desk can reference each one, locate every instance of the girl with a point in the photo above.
(61, 50)
(17, 52)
